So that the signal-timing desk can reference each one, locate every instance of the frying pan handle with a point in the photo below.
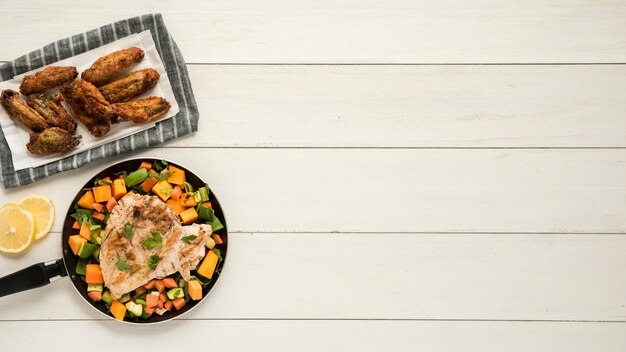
(34, 276)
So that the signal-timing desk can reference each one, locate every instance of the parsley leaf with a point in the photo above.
(154, 260)
(188, 239)
(122, 265)
(128, 231)
(154, 241)
(159, 165)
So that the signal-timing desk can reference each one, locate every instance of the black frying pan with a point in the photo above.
(39, 274)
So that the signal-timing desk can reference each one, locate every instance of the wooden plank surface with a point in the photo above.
(528, 277)
(410, 106)
(396, 190)
(363, 31)
(324, 335)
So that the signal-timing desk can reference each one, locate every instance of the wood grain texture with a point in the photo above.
(391, 190)
(370, 31)
(325, 335)
(384, 276)
(409, 106)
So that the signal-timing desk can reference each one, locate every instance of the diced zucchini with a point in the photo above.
(134, 308)
(204, 194)
(210, 243)
(205, 213)
(86, 249)
(106, 297)
(96, 254)
(175, 293)
(125, 297)
(95, 287)
(136, 177)
(216, 224)
(81, 267)
(140, 301)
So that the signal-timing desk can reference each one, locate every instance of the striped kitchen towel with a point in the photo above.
(185, 122)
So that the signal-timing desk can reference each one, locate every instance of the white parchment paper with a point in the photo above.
(17, 135)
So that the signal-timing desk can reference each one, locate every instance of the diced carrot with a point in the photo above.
(93, 274)
(98, 216)
(152, 301)
(102, 193)
(207, 204)
(188, 216)
(178, 178)
(189, 199)
(148, 184)
(85, 231)
(76, 225)
(167, 305)
(169, 282)
(149, 311)
(119, 188)
(217, 238)
(95, 295)
(150, 284)
(163, 297)
(160, 304)
(111, 204)
(207, 268)
(75, 242)
(176, 192)
(139, 290)
(98, 207)
(195, 290)
(176, 205)
(87, 200)
(163, 189)
(145, 165)
(178, 303)
(160, 286)
(118, 310)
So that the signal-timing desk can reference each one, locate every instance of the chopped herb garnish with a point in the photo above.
(154, 260)
(154, 241)
(122, 265)
(159, 165)
(162, 176)
(128, 231)
(101, 181)
(166, 190)
(188, 239)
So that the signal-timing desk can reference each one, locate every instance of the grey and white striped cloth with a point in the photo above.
(186, 121)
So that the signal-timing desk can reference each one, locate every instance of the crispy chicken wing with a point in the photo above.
(52, 110)
(105, 68)
(130, 86)
(88, 106)
(53, 140)
(20, 111)
(142, 110)
(47, 78)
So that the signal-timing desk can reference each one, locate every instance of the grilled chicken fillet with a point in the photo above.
(145, 216)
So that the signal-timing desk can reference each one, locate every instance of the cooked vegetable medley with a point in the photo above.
(192, 205)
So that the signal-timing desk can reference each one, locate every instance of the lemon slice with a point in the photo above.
(42, 209)
(17, 229)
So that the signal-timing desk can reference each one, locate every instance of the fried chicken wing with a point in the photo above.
(47, 78)
(142, 110)
(52, 110)
(19, 110)
(88, 106)
(53, 140)
(107, 67)
(130, 86)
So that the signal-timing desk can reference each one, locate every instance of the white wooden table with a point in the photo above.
(397, 176)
